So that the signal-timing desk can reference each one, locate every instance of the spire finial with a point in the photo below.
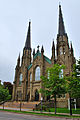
(38, 48)
(33, 51)
(42, 49)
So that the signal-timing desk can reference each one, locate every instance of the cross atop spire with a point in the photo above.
(28, 39)
(61, 29)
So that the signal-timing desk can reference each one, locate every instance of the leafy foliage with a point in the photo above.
(9, 86)
(53, 84)
(4, 93)
(73, 81)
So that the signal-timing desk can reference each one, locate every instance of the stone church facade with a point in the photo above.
(27, 82)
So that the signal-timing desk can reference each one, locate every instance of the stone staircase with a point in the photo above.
(24, 105)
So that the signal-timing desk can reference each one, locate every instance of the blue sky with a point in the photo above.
(14, 18)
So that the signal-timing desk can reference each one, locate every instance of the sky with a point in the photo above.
(43, 14)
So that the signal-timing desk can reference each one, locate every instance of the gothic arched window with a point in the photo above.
(20, 79)
(37, 73)
(30, 77)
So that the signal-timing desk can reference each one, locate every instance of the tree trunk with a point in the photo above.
(20, 105)
(70, 107)
(3, 105)
(55, 103)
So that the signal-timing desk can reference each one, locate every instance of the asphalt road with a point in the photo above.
(15, 116)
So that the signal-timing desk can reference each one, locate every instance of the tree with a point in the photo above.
(73, 83)
(9, 86)
(76, 76)
(76, 69)
(4, 94)
(53, 83)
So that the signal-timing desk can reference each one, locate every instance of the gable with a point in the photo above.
(47, 60)
(39, 54)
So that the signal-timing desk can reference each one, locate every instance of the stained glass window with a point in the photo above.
(20, 79)
(37, 73)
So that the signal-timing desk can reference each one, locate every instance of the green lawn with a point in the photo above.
(44, 114)
(65, 110)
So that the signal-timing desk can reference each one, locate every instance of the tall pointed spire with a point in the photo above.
(53, 45)
(71, 49)
(18, 60)
(19, 57)
(28, 39)
(61, 30)
(53, 50)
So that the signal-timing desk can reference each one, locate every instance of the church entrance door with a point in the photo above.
(36, 95)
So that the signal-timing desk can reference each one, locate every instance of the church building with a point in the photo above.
(31, 66)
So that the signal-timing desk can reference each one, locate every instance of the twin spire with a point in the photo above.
(61, 30)
(28, 39)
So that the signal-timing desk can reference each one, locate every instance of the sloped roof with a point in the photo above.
(29, 66)
(39, 54)
(47, 59)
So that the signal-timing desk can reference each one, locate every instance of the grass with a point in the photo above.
(44, 114)
(65, 110)
(62, 110)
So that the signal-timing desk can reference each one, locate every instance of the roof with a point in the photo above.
(29, 66)
(47, 59)
(39, 54)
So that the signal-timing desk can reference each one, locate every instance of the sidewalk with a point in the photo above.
(30, 110)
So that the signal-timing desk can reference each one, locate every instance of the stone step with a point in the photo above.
(15, 104)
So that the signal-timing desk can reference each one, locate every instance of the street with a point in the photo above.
(15, 116)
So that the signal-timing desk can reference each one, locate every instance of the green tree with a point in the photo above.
(73, 83)
(4, 94)
(9, 86)
(53, 83)
(76, 69)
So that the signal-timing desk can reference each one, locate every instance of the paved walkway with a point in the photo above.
(22, 109)
(30, 110)
(16, 116)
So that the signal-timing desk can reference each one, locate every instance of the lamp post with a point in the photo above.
(41, 103)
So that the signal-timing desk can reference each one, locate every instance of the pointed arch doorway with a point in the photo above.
(36, 95)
